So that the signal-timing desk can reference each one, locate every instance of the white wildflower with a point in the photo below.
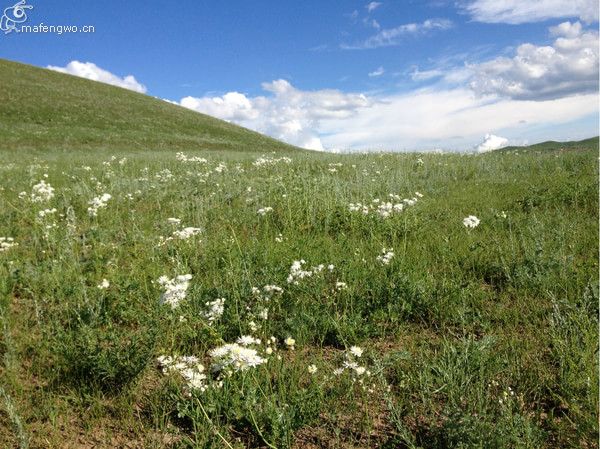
(312, 369)
(45, 212)
(290, 342)
(220, 168)
(104, 284)
(356, 351)
(247, 340)
(341, 286)
(164, 175)
(42, 192)
(183, 158)
(175, 290)
(264, 210)
(471, 222)
(386, 256)
(297, 272)
(265, 161)
(236, 357)
(215, 310)
(6, 243)
(273, 289)
(187, 367)
(97, 203)
(186, 233)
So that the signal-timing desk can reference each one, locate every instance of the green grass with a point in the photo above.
(456, 319)
(472, 338)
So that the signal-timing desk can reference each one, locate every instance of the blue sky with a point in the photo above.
(355, 75)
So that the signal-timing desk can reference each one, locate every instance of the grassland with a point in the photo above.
(483, 337)
(44, 110)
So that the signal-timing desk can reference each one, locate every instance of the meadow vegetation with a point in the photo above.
(294, 299)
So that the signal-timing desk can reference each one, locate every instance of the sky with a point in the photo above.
(394, 75)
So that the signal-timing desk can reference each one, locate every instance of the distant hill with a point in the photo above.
(41, 109)
(550, 145)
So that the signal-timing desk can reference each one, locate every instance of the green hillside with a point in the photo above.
(43, 110)
(551, 145)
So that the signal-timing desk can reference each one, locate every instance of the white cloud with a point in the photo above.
(424, 75)
(568, 67)
(542, 92)
(373, 6)
(392, 36)
(490, 143)
(566, 29)
(231, 106)
(378, 72)
(428, 118)
(289, 114)
(524, 11)
(451, 119)
(371, 23)
(91, 71)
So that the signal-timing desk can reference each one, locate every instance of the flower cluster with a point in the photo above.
(386, 256)
(471, 222)
(385, 209)
(339, 286)
(175, 290)
(186, 233)
(180, 234)
(264, 210)
(262, 299)
(247, 340)
(215, 310)
(164, 175)
(233, 357)
(45, 212)
(290, 343)
(351, 365)
(7, 243)
(266, 161)
(98, 203)
(188, 367)
(42, 192)
(182, 157)
(220, 168)
(297, 271)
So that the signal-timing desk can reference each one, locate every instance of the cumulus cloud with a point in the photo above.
(522, 11)
(287, 113)
(569, 66)
(490, 143)
(451, 118)
(378, 72)
(550, 92)
(91, 71)
(392, 36)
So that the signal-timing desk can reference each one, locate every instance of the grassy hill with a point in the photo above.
(551, 145)
(42, 110)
